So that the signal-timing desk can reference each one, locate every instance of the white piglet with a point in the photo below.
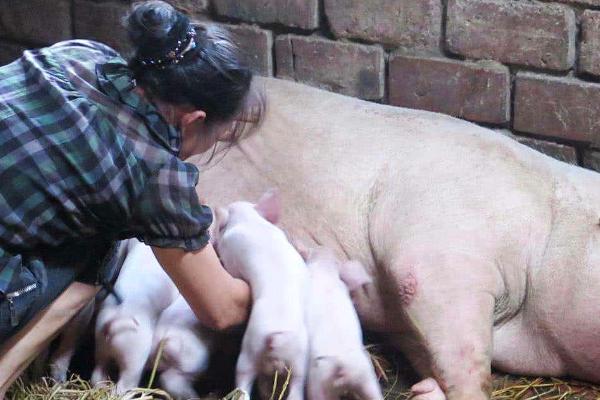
(254, 249)
(186, 349)
(338, 361)
(124, 331)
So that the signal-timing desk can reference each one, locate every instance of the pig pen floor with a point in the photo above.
(505, 387)
(394, 376)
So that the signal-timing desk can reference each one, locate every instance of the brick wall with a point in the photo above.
(529, 69)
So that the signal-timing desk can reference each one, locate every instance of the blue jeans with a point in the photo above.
(38, 284)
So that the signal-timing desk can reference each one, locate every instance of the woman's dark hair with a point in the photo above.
(210, 76)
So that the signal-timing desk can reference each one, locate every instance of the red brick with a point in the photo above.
(589, 57)
(10, 52)
(560, 152)
(407, 23)
(347, 68)
(514, 32)
(591, 160)
(190, 6)
(257, 46)
(284, 57)
(560, 107)
(36, 21)
(583, 2)
(475, 91)
(296, 13)
(102, 22)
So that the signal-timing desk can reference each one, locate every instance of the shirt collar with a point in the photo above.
(116, 80)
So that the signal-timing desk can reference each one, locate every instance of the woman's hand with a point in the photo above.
(218, 300)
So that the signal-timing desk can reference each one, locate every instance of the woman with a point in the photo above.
(91, 151)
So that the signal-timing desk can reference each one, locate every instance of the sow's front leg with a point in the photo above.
(448, 304)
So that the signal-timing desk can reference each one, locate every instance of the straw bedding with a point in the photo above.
(391, 376)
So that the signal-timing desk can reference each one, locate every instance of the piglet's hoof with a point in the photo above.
(58, 372)
(427, 389)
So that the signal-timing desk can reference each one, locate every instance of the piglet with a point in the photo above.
(252, 248)
(124, 332)
(338, 362)
(186, 349)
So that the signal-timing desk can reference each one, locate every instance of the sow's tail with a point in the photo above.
(120, 325)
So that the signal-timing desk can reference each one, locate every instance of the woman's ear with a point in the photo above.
(189, 118)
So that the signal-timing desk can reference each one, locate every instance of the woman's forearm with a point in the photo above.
(218, 300)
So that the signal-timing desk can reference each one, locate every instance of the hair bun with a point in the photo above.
(154, 27)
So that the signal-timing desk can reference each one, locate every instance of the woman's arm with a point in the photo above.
(218, 300)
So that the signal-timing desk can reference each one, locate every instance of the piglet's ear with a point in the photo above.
(269, 206)
(220, 219)
(354, 275)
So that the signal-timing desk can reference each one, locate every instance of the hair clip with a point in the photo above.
(175, 55)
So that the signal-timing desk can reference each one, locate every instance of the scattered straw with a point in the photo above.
(506, 387)
(77, 389)
(285, 384)
(161, 347)
(274, 388)
(543, 388)
(235, 394)
(513, 388)
(380, 363)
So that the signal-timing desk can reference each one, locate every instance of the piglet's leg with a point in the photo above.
(246, 372)
(132, 363)
(129, 379)
(321, 373)
(296, 387)
(177, 384)
(316, 389)
(449, 304)
(100, 374)
(368, 388)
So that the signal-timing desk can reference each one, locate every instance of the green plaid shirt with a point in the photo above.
(85, 162)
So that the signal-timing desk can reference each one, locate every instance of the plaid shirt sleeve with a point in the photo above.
(168, 213)
(84, 159)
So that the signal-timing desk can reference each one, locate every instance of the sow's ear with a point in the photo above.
(269, 206)
(354, 275)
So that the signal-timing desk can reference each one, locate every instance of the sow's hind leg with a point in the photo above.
(448, 304)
